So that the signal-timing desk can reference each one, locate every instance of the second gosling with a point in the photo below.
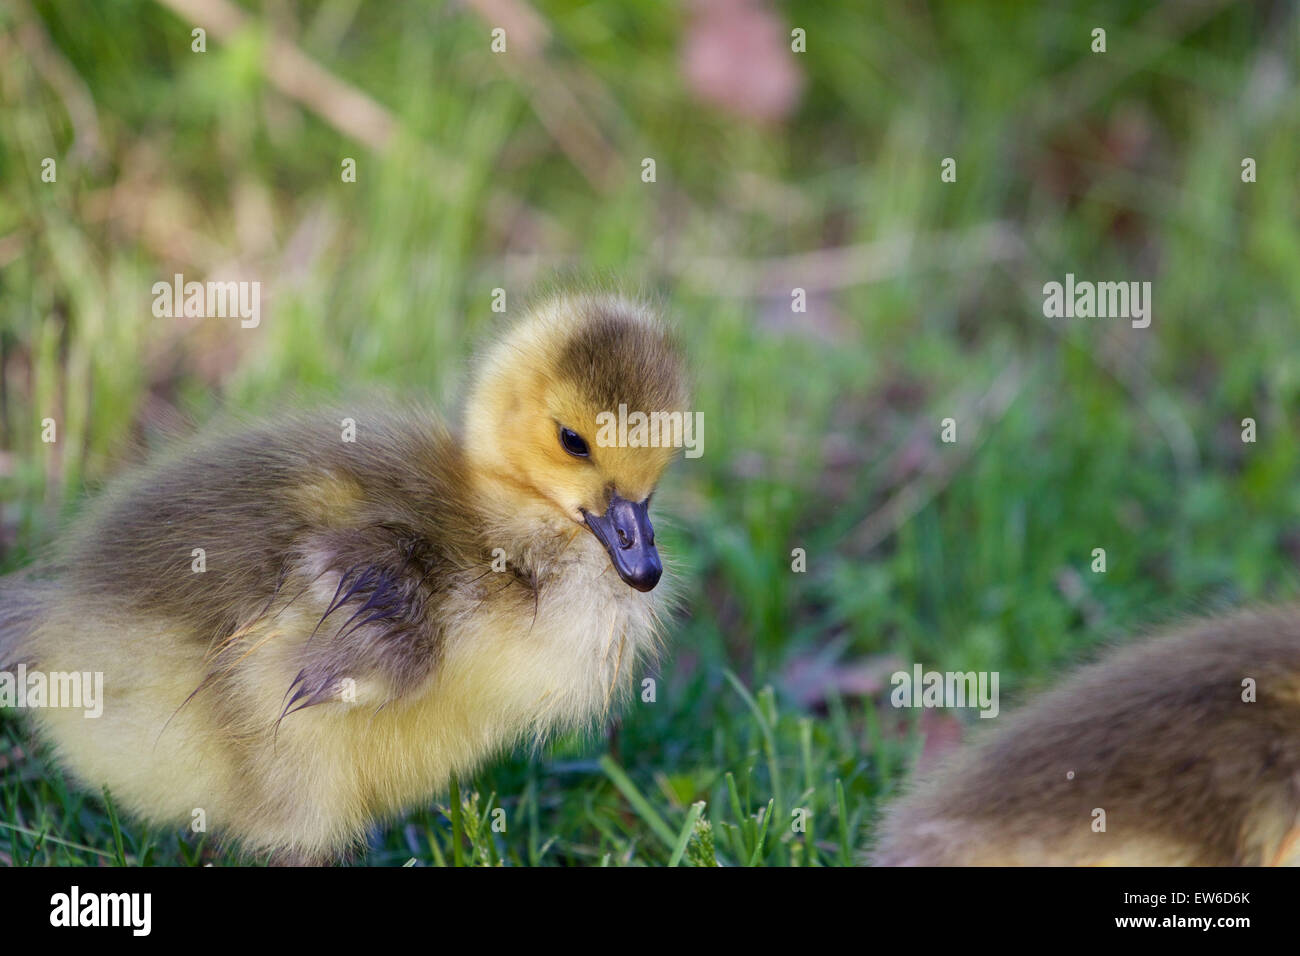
(1180, 750)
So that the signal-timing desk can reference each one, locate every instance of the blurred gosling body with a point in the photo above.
(1158, 736)
(357, 637)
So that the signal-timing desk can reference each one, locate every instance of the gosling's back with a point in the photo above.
(1160, 737)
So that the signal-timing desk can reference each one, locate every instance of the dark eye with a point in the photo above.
(573, 443)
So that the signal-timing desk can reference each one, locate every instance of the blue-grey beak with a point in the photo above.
(625, 531)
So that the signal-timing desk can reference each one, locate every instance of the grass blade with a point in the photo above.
(684, 837)
(639, 803)
(117, 829)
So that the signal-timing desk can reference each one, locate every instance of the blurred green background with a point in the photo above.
(775, 170)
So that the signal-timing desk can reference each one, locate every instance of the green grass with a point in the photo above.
(1123, 166)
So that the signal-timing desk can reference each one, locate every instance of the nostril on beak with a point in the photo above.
(623, 541)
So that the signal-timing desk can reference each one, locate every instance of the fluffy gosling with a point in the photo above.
(374, 616)
(1189, 743)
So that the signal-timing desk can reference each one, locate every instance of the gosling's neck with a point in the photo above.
(537, 539)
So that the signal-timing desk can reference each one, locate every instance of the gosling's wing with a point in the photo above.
(338, 531)
(381, 591)
(202, 537)
(393, 535)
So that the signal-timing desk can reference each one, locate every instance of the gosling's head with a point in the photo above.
(543, 415)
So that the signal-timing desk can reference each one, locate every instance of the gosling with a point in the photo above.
(301, 636)
(1183, 750)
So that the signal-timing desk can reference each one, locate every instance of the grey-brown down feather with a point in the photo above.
(1158, 735)
(406, 529)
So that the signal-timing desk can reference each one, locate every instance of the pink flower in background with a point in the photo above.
(736, 56)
